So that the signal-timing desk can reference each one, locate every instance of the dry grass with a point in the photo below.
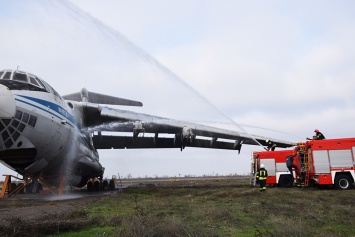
(230, 208)
(213, 208)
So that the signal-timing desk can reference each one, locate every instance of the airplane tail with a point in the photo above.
(85, 96)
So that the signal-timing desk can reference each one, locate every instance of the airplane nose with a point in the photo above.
(7, 103)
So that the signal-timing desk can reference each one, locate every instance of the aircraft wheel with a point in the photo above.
(82, 183)
(343, 182)
(22, 190)
(13, 187)
(97, 185)
(29, 188)
(39, 188)
(105, 185)
(90, 186)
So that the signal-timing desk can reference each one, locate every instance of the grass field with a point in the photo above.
(219, 207)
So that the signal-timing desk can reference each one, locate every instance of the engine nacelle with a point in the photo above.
(138, 128)
(187, 135)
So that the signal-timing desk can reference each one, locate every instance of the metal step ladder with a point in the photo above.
(307, 167)
(253, 171)
(253, 179)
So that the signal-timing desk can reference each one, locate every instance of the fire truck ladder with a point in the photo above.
(253, 172)
(305, 162)
(307, 167)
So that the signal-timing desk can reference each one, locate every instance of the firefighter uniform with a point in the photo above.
(319, 135)
(270, 145)
(261, 176)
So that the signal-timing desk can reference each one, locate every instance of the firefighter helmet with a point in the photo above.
(262, 166)
(316, 130)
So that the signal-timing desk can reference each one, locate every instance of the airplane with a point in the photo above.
(49, 136)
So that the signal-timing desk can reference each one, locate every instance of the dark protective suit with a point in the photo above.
(290, 165)
(261, 175)
(319, 136)
(271, 146)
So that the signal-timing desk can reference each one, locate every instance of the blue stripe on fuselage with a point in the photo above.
(59, 110)
(54, 107)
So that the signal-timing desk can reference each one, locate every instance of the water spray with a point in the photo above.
(253, 126)
(115, 35)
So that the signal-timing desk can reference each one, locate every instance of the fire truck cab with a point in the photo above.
(319, 162)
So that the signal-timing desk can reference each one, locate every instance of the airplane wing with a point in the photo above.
(88, 96)
(185, 134)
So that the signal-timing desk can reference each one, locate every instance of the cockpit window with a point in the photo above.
(40, 82)
(56, 93)
(7, 75)
(20, 77)
(50, 89)
(35, 82)
(19, 80)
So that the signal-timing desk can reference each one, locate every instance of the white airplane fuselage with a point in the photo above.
(44, 135)
(40, 134)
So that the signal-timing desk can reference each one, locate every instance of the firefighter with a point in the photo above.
(261, 177)
(290, 165)
(319, 135)
(270, 145)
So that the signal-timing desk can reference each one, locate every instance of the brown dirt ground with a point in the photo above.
(40, 215)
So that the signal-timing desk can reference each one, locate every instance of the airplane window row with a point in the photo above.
(27, 78)
(11, 129)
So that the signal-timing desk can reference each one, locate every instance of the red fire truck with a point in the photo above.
(319, 162)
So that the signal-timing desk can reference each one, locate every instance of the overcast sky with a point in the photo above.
(287, 66)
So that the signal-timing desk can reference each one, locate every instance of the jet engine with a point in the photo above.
(185, 138)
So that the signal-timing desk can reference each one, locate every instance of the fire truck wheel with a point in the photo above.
(90, 186)
(343, 181)
(286, 181)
